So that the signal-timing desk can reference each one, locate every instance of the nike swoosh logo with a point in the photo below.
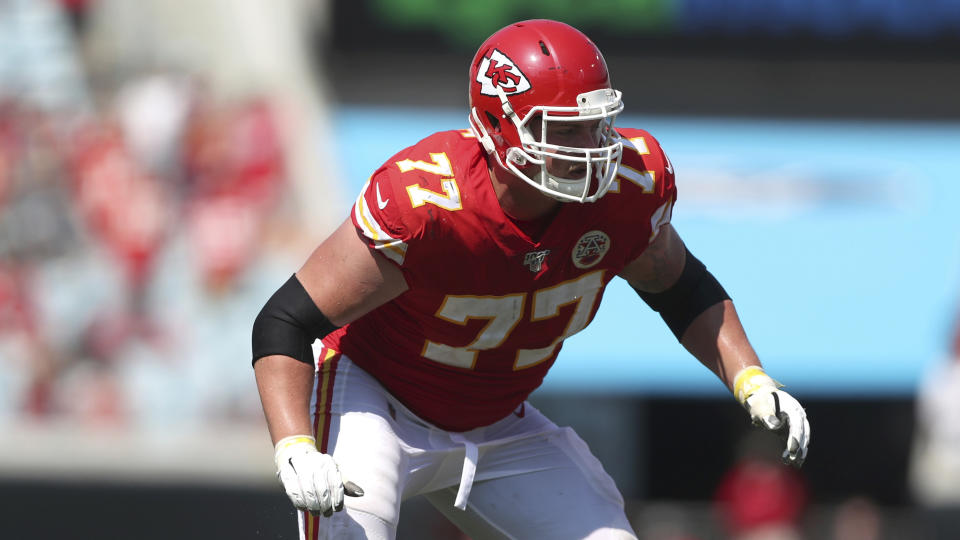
(380, 202)
(669, 167)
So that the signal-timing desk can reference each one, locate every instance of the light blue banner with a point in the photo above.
(839, 242)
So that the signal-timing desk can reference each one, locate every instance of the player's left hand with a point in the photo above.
(776, 410)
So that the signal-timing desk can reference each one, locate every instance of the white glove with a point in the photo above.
(774, 409)
(310, 478)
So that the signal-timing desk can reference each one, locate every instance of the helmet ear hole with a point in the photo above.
(493, 120)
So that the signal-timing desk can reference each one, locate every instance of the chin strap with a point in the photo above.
(480, 132)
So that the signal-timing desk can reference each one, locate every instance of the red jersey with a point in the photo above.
(488, 307)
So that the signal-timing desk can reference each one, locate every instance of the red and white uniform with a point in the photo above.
(489, 306)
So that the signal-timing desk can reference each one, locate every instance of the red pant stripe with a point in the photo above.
(327, 371)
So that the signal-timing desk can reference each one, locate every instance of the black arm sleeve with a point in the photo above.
(691, 295)
(289, 323)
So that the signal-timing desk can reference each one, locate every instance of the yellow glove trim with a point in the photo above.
(749, 380)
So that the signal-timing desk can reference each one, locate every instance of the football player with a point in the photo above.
(445, 297)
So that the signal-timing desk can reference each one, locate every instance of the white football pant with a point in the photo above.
(522, 477)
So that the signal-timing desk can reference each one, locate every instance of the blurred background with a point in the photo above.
(166, 164)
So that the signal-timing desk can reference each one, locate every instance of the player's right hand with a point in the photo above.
(311, 479)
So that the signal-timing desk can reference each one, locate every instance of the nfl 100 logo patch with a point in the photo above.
(534, 260)
(590, 249)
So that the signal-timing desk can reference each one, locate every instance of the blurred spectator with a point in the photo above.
(760, 498)
(236, 175)
(26, 383)
(43, 95)
(935, 458)
(138, 235)
(239, 50)
(123, 206)
(35, 226)
(182, 206)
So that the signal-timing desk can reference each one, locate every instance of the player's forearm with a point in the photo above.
(285, 385)
(717, 339)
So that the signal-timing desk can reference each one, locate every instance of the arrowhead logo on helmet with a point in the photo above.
(498, 69)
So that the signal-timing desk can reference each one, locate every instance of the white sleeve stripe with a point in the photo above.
(660, 218)
(371, 228)
(393, 248)
(393, 252)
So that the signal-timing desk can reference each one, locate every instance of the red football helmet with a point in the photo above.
(530, 74)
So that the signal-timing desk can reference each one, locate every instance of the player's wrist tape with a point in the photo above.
(289, 323)
(286, 442)
(292, 440)
(749, 380)
(694, 292)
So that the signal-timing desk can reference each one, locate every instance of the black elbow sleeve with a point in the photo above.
(694, 292)
(289, 323)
